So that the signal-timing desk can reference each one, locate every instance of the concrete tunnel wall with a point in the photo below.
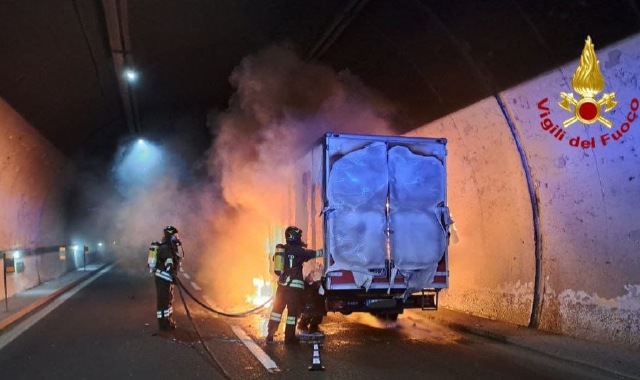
(587, 199)
(32, 188)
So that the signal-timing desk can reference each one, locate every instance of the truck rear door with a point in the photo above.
(385, 210)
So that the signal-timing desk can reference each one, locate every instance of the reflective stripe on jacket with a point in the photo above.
(164, 275)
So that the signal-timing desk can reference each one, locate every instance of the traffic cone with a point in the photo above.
(315, 362)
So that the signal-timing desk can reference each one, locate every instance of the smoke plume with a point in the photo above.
(228, 218)
(281, 106)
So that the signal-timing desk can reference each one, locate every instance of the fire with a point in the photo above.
(264, 291)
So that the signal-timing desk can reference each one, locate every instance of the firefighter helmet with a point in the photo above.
(293, 234)
(171, 234)
(170, 230)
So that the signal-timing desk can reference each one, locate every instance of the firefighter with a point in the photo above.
(290, 284)
(312, 308)
(167, 266)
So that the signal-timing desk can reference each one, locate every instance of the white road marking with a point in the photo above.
(195, 286)
(186, 275)
(262, 357)
(32, 320)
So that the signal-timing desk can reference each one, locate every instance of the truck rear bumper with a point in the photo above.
(347, 302)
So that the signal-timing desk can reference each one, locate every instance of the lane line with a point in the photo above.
(262, 357)
(186, 275)
(23, 326)
(195, 286)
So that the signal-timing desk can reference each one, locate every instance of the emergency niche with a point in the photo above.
(278, 260)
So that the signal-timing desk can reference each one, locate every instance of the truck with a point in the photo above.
(377, 208)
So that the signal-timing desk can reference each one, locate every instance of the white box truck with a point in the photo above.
(377, 207)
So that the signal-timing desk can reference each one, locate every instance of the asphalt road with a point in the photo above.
(108, 331)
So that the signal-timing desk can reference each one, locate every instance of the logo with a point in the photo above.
(588, 82)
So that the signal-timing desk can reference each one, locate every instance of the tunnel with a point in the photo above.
(544, 196)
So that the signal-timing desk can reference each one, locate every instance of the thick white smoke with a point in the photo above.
(281, 106)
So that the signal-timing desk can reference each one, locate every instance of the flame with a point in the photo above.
(587, 79)
(264, 291)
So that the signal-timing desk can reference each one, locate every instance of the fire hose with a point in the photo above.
(209, 308)
(231, 315)
(216, 363)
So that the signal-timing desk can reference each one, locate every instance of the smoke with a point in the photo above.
(154, 190)
(231, 218)
(281, 106)
(153, 183)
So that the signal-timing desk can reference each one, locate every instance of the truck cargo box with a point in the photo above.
(377, 206)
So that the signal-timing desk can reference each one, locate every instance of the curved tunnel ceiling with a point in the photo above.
(427, 57)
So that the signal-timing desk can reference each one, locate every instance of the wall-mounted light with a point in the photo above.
(131, 75)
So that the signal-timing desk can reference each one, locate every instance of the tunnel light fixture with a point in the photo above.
(100, 244)
(140, 141)
(131, 75)
(16, 254)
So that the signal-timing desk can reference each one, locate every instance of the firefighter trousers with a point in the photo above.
(288, 297)
(164, 305)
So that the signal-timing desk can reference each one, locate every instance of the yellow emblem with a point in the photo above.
(588, 82)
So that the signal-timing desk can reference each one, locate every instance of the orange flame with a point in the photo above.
(264, 291)
(587, 79)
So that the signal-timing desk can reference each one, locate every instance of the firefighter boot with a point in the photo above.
(272, 327)
(162, 323)
(290, 334)
(303, 323)
(165, 324)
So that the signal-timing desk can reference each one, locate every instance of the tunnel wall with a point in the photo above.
(492, 265)
(588, 199)
(33, 183)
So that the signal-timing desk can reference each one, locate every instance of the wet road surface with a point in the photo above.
(108, 331)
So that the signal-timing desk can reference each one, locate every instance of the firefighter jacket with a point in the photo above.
(294, 257)
(167, 263)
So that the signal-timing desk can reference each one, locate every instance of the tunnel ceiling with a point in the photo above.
(428, 57)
